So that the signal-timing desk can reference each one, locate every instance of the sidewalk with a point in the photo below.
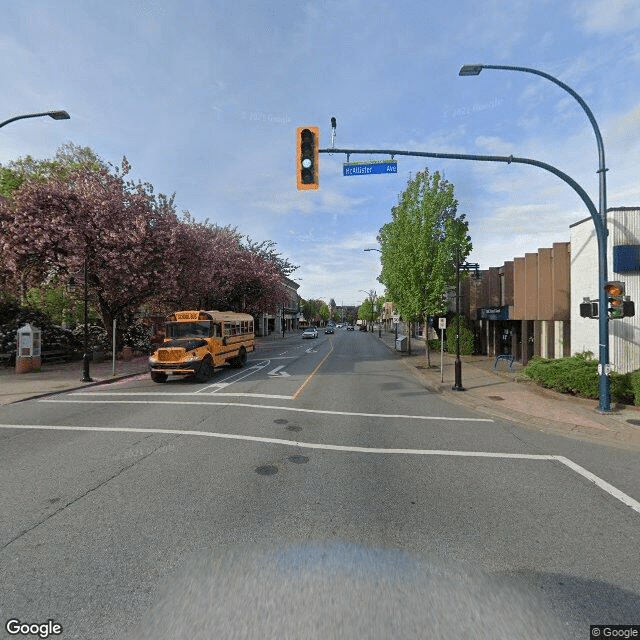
(498, 394)
(57, 377)
(509, 395)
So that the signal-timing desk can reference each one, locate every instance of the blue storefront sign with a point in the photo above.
(495, 313)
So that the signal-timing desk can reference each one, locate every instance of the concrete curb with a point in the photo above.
(84, 385)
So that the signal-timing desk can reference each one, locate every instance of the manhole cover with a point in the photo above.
(634, 422)
(293, 427)
(267, 470)
(298, 459)
(496, 398)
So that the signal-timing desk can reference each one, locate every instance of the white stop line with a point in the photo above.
(599, 482)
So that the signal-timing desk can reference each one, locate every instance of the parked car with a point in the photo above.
(329, 329)
(350, 327)
(311, 332)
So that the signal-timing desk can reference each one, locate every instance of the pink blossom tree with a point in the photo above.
(123, 233)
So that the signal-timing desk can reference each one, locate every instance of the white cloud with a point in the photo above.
(606, 17)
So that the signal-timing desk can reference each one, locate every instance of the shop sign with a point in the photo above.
(495, 313)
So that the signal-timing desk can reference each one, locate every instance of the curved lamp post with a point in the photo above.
(56, 115)
(371, 295)
(379, 325)
(600, 222)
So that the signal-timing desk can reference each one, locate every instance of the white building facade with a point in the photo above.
(623, 258)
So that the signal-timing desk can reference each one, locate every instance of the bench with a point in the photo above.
(507, 357)
(8, 359)
(59, 355)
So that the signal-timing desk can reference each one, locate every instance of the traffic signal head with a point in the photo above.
(307, 157)
(588, 308)
(615, 298)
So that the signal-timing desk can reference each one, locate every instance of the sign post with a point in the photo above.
(442, 325)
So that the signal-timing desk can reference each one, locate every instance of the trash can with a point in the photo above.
(401, 343)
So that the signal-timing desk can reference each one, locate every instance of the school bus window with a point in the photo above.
(188, 329)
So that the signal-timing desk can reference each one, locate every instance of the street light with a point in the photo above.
(56, 115)
(379, 324)
(371, 295)
(467, 266)
(600, 223)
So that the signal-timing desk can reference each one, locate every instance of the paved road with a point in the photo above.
(320, 492)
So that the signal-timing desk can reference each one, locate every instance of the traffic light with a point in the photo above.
(619, 305)
(588, 308)
(307, 156)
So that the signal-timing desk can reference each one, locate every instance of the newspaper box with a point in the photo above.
(401, 343)
(28, 349)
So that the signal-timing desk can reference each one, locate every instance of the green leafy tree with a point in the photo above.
(421, 246)
(59, 303)
(10, 180)
(309, 310)
(466, 336)
(323, 312)
(371, 307)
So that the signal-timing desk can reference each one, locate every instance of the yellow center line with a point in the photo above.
(300, 389)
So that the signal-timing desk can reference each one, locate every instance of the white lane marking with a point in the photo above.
(265, 406)
(605, 486)
(230, 378)
(602, 484)
(277, 373)
(177, 393)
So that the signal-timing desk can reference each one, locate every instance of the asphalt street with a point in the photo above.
(319, 492)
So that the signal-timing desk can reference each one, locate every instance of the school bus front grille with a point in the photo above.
(170, 355)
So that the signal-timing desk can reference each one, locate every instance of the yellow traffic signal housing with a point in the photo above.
(307, 175)
(615, 298)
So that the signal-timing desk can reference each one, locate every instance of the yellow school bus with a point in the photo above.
(198, 341)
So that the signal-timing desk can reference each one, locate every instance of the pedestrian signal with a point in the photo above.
(307, 157)
(588, 309)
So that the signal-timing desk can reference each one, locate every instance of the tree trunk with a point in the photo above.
(426, 342)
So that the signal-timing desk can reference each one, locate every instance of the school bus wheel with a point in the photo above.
(205, 371)
(240, 360)
(158, 377)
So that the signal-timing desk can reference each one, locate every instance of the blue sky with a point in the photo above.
(204, 99)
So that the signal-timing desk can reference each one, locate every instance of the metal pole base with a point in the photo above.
(458, 383)
(86, 377)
